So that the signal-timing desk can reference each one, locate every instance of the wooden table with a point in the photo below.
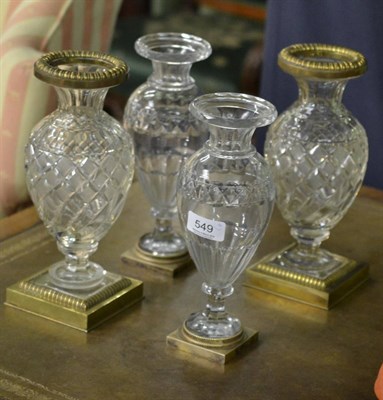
(302, 352)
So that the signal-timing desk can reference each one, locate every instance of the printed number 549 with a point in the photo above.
(205, 227)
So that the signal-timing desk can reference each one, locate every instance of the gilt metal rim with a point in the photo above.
(47, 68)
(322, 61)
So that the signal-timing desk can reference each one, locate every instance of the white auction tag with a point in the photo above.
(206, 228)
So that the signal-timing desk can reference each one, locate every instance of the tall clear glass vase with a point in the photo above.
(79, 162)
(225, 200)
(79, 166)
(165, 134)
(317, 152)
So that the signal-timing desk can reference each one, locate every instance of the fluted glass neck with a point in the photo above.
(92, 98)
(230, 140)
(171, 76)
(172, 55)
(232, 118)
(327, 91)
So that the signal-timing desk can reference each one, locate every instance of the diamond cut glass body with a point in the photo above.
(78, 170)
(317, 152)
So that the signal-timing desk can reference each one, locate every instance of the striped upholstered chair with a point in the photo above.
(29, 28)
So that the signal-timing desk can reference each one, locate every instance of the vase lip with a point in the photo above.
(50, 68)
(321, 61)
(256, 112)
(173, 47)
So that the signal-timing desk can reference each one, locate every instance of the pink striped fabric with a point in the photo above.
(29, 28)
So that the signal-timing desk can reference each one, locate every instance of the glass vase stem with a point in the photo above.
(162, 227)
(215, 307)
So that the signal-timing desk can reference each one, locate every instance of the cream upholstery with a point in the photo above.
(29, 28)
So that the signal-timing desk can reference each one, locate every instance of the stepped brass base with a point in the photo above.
(268, 276)
(80, 310)
(214, 350)
(169, 266)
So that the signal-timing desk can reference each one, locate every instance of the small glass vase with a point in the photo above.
(225, 201)
(79, 162)
(164, 132)
(317, 152)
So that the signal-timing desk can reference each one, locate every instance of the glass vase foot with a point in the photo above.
(164, 252)
(168, 266)
(323, 287)
(199, 325)
(318, 263)
(89, 277)
(170, 246)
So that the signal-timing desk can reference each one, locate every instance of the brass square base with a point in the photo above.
(219, 355)
(169, 266)
(79, 310)
(322, 293)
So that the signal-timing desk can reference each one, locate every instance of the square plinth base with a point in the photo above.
(321, 293)
(217, 355)
(167, 266)
(79, 310)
